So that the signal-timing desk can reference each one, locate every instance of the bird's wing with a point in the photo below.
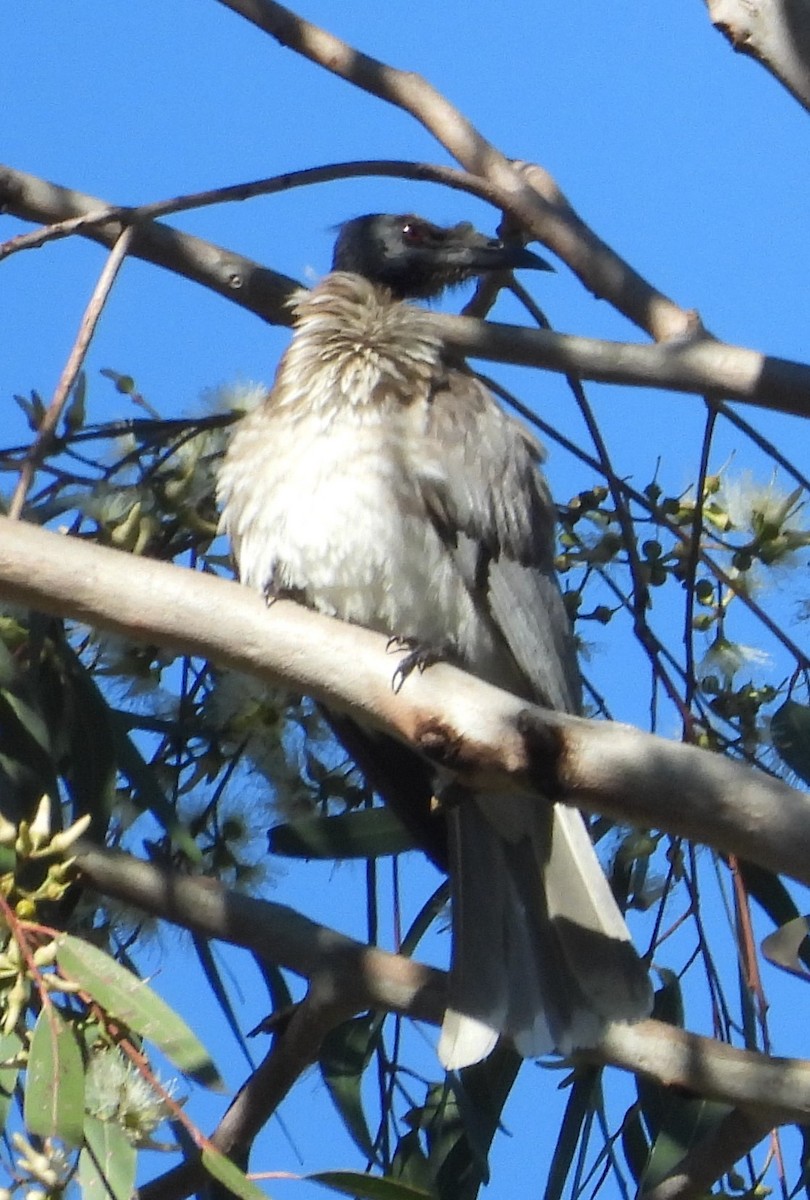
(478, 474)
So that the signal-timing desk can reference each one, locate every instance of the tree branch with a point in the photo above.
(47, 427)
(776, 33)
(361, 976)
(357, 977)
(258, 1098)
(531, 196)
(238, 192)
(487, 737)
(231, 275)
(699, 366)
(735, 1136)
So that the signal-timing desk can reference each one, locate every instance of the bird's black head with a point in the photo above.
(415, 259)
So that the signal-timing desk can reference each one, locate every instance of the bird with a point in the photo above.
(380, 482)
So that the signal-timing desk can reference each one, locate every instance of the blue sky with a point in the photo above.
(689, 160)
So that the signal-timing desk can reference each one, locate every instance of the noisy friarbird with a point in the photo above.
(380, 482)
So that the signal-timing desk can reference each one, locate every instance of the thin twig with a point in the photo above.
(47, 429)
(450, 177)
(693, 557)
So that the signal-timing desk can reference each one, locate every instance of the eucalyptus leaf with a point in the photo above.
(635, 1143)
(675, 1124)
(782, 947)
(54, 1081)
(10, 1046)
(30, 720)
(345, 1054)
(143, 780)
(87, 729)
(132, 1002)
(366, 833)
(578, 1110)
(228, 1174)
(790, 730)
(107, 1162)
(369, 1187)
(205, 954)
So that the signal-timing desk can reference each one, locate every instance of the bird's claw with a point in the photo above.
(418, 658)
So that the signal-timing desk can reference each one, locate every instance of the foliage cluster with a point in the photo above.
(153, 751)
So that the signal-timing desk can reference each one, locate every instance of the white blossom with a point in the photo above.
(725, 659)
(49, 1166)
(750, 504)
(117, 1091)
(238, 396)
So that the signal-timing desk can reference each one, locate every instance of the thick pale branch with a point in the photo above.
(358, 976)
(700, 365)
(344, 977)
(774, 32)
(486, 736)
(231, 275)
(353, 977)
(774, 1090)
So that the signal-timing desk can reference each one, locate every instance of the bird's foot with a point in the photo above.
(274, 591)
(418, 658)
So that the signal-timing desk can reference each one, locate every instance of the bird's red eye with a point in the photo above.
(414, 231)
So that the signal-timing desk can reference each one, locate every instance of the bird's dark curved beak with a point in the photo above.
(489, 254)
(521, 257)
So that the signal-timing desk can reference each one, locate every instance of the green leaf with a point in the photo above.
(457, 1158)
(668, 1001)
(790, 730)
(635, 1144)
(124, 384)
(34, 409)
(8, 667)
(430, 910)
(482, 1091)
(367, 833)
(769, 892)
(228, 1174)
(369, 1187)
(782, 947)
(26, 750)
(459, 1119)
(345, 1054)
(10, 1046)
(675, 1123)
(208, 963)
(410, 1164)
(579, 1108)
(87, 728)
(76, 408)
(785, 947)
(132, 1002)
(54, 1083)
(107, 1162)
(30, 720)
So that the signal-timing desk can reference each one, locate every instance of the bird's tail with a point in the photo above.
(540, 950)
